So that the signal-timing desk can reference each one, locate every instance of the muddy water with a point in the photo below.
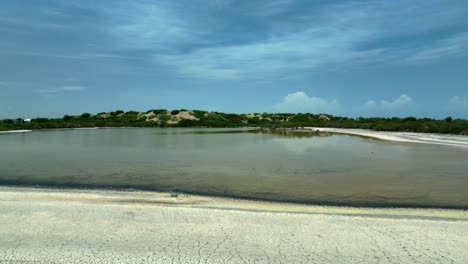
(309, 168)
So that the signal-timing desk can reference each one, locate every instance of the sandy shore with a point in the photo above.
(427, 138)
(96, 226)
(409, 137)
(15, 131)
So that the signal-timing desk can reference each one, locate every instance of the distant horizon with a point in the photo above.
(345, 58)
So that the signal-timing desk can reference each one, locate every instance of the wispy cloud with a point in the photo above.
(458, 103)
(31, 24)
(9, 83)
(456, 45)
(75, 56)
(155, 26)
(63, 89)
(301, 102)
(401, 102)
(325, 37)
(267, 58)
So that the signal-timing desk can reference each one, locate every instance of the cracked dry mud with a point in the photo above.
(50, 226)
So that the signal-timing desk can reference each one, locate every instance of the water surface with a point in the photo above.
(310, 168)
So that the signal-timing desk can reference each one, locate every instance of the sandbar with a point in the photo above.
(409, 137)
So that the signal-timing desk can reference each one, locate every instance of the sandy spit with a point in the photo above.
(102, 226)
(15, 131)
(410, 137)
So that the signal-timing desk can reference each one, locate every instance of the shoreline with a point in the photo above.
(123, 127)
(159, 198)
(404, 137)
(15, 131)
(96, 226)
(372, 205)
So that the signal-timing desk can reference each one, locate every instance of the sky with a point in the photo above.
(349, 58)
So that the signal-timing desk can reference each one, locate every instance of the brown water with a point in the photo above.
(325, 169)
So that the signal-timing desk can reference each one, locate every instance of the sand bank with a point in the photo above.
(15, 131)
(428, 138)
(76, 226)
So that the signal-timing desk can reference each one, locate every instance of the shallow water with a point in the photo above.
(326, 169)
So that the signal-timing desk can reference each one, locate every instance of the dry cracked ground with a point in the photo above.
(53, 226)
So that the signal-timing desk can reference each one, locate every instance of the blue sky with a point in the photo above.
(353, 58)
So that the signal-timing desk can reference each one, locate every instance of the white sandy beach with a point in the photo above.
(410, 137)
(102, 226)
(15, 131)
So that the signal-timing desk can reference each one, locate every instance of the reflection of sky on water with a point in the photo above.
(256, 165)
(303, 145)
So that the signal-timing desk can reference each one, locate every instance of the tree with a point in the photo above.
(86, 115)
(116, 113)
(448, 119)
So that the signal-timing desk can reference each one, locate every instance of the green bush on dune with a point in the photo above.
(120, 118)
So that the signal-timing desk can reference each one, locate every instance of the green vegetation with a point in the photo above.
(164, 118)
(157, 111)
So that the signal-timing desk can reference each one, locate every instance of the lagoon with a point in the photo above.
(315, 168)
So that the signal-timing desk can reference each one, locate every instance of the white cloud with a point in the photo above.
(458, 103)
(371, 104)
(401, 102)
(300, 102)
(62, 89)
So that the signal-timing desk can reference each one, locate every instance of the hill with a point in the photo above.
(200, 118)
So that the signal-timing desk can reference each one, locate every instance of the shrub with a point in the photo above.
(175, 112)
(252, 121)
(40, 120)
(85, 115)
(233, 118)
(156, 111)
(118, 112)
(409, 119)
(8, 121)
(164, 117)
(199, 113)
(159, 111)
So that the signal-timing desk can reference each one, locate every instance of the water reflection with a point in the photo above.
(275, 165)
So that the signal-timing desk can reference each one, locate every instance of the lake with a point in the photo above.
(301, 167)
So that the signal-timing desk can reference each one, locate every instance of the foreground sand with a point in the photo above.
(77, 226)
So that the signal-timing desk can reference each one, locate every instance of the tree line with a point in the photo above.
(165, 118)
